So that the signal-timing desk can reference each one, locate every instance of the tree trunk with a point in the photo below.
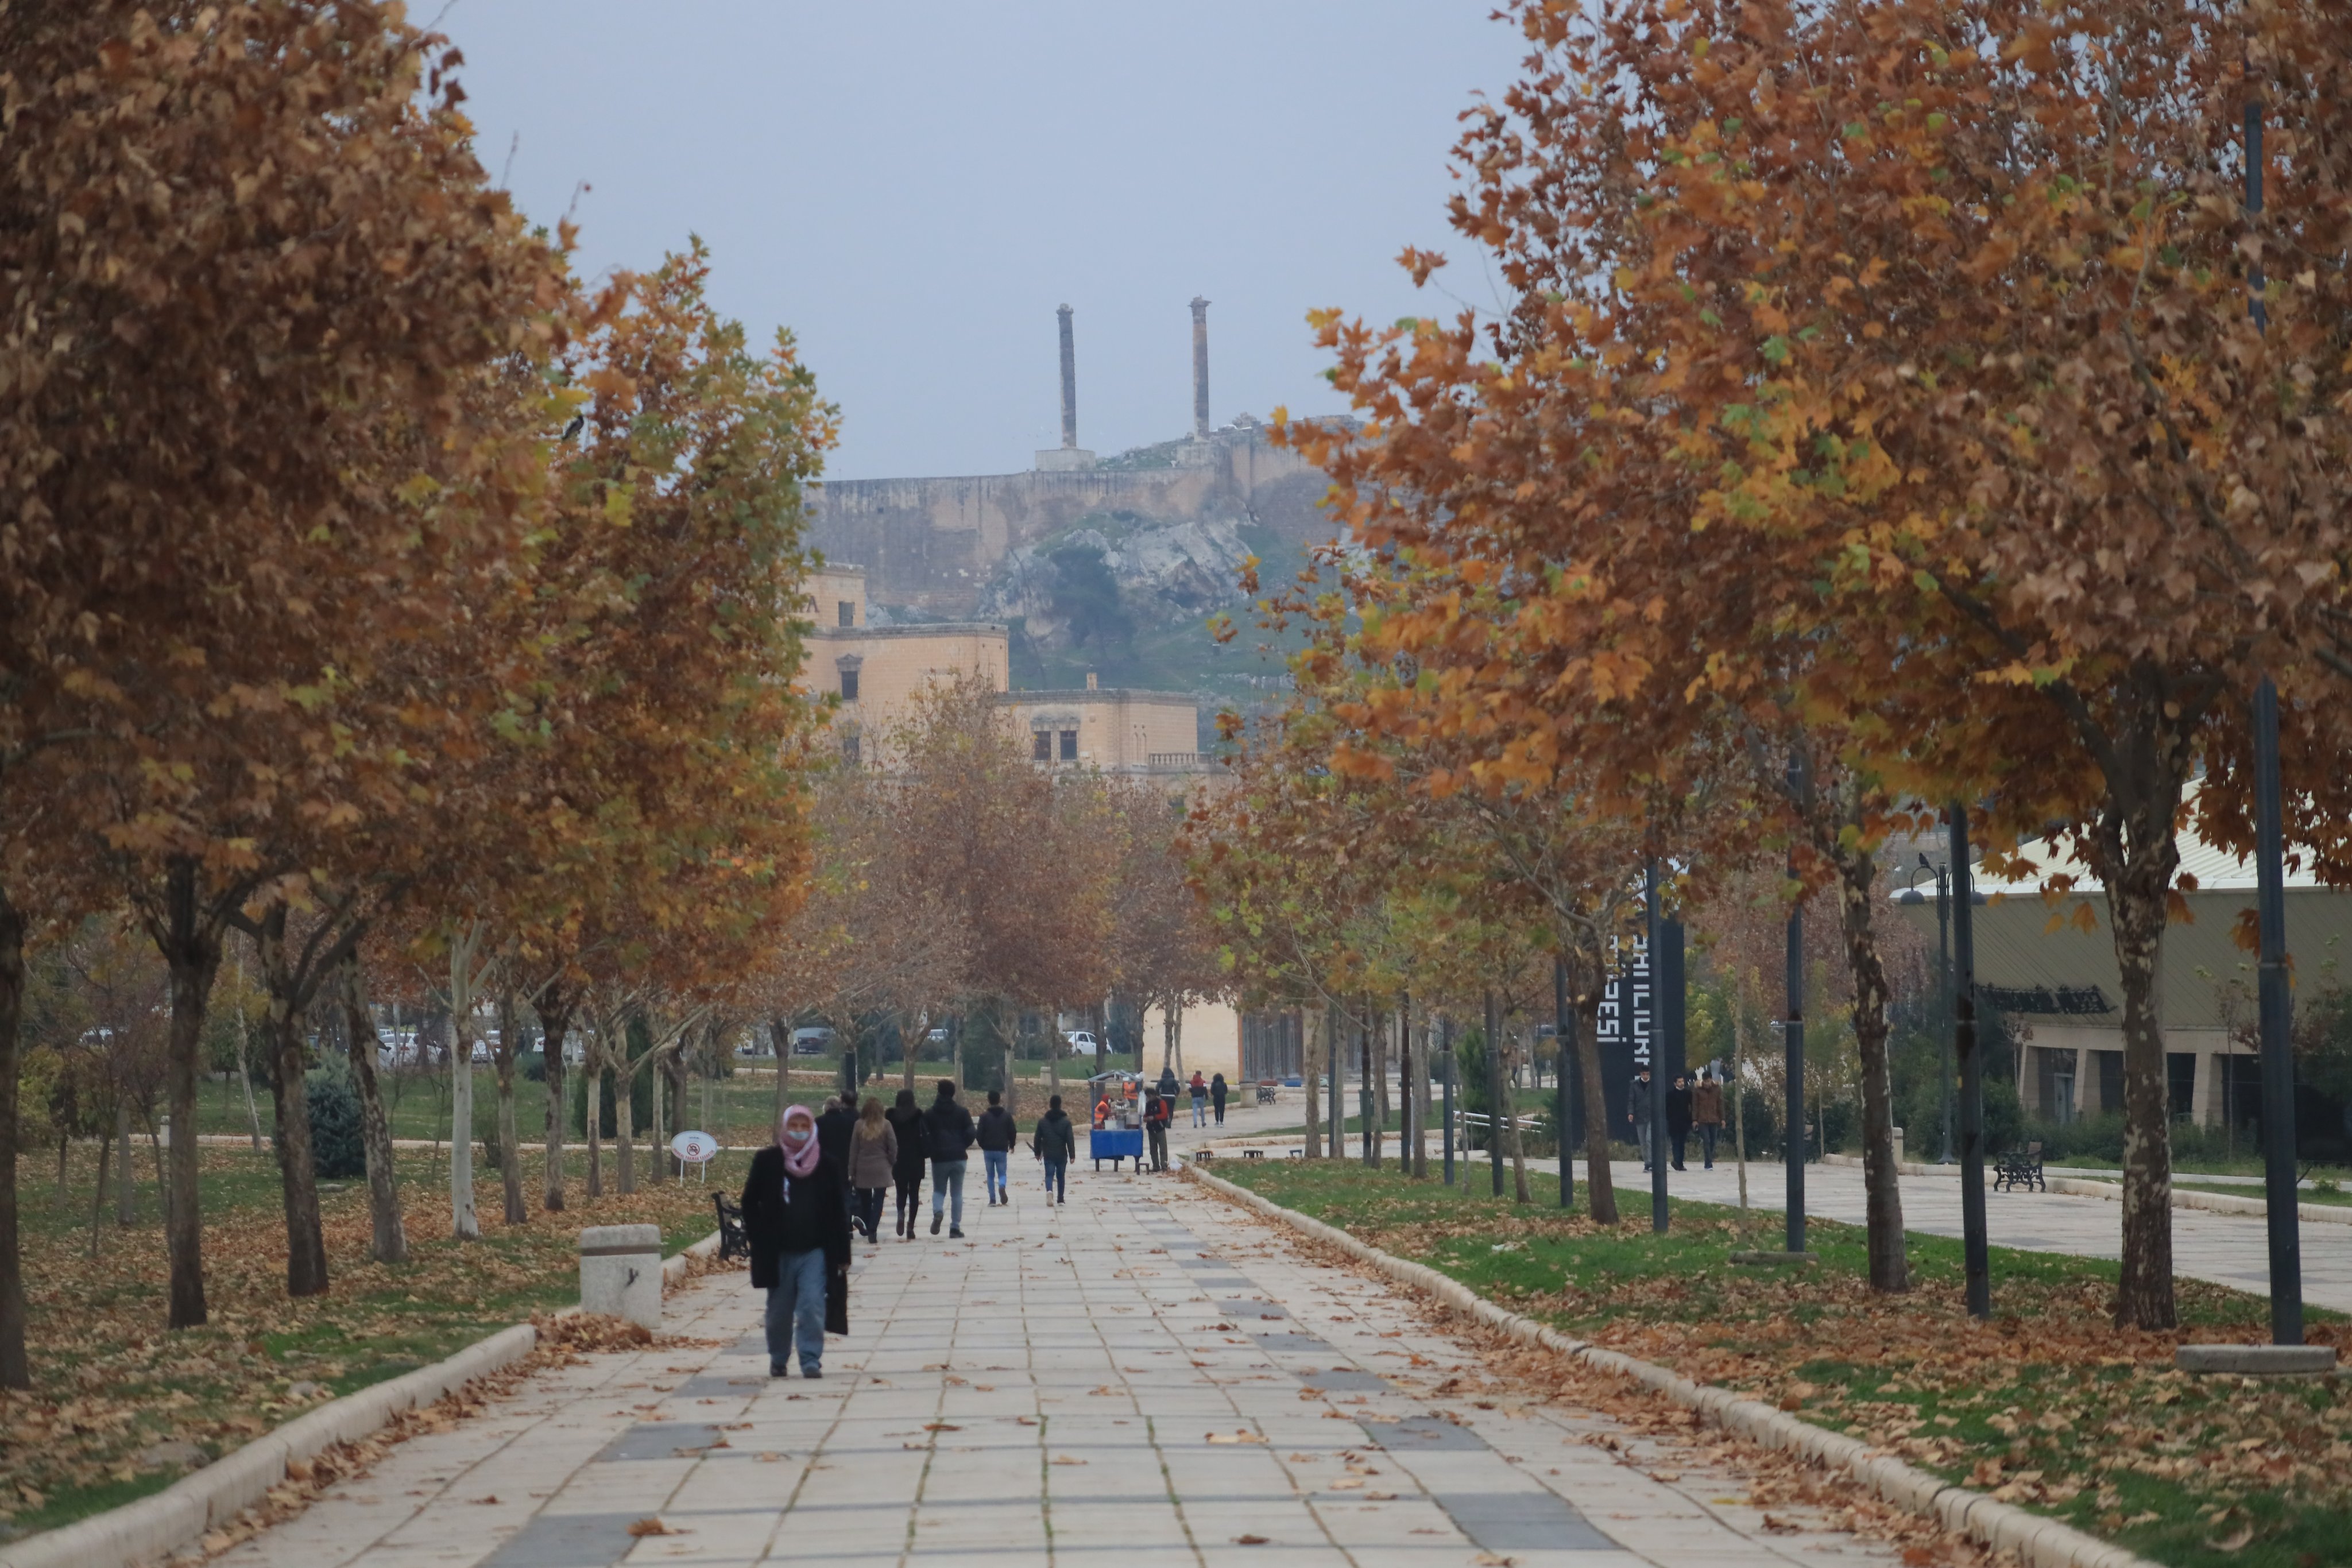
(244, 1049)
(1417, 1107)
(1315, 1030)
(464, 1221)
(126, 1188)
(593, 1123)
(656, 1167)
(1738, 1080)
(388, 1238)
(1600, 1186)
(1509, 1112)
(625, 1114)
(2138, 858)
(298, 1178)
(97, 1193)
(1379, 1087)
(16, 1370)
(910, 1043)
(1880, 1181)
(190, 941)
(553, 1006)
(509, 1143)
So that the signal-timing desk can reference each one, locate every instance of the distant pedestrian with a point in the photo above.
(798, 1227)
(1637, 1111)
(873, 1160)
(1217, 1096)
(996, 1135)
(1678, 1116)
(1706, 1113)
(1168, 1084)
(1200, 1087)
(1056, 1143)
(950, 1130)
(1155, 1126)
(833, 1126)
(905, 1119)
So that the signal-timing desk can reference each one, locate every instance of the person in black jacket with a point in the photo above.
(835, 1126)
(1217, 1097)
(1156, 1107)
(996, 1134)
(1678, 1116)
(798, 1224)
(905, 1119)
(1056, 1143)
(950, 1128)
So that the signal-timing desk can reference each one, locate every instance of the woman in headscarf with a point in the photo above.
(796, 1216)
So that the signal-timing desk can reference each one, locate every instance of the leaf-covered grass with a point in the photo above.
(2237, 1189)
(2047, 1404)
(111, 1381)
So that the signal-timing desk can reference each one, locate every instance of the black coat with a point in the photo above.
(1056, 1138)
(949, 1126)
(995, 1131)
(765, 1213)
(1679, 1109)
(833, 1131)
(914, 1143)
(1217, 1090)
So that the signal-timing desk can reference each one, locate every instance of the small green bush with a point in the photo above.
(336, 1152)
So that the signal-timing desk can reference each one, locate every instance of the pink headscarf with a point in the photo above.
(797, 1135)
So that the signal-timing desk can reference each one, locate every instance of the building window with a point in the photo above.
(1041, 746)
(849, 686)
(849, 748)
(848, 612)
(1069, 746)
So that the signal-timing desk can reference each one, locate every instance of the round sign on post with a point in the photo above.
(694, 1149)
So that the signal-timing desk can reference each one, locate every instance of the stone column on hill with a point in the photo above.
(1069, 383)
(1200, 368)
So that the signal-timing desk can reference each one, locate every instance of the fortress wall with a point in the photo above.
(931, 544)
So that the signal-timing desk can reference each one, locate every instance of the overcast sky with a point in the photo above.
(913, 187)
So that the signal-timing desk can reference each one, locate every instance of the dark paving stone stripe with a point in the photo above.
(1421, 1433)
(1522, 1522)
(1346, 1379)
(1294, 1342)
(567, 1541)
(1246, 1309)
(719, 1385)
(661, 1440)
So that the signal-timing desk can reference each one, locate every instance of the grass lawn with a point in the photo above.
(2047, 1405)
(2306, 1194)
(111, 1381)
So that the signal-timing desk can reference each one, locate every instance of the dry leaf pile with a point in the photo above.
(121, 1408)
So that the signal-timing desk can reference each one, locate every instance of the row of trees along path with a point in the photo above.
(367, 585)
(1873, 415)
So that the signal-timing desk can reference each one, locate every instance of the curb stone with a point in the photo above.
(2182, 1197)
(2038, 1540)
(204, 1499)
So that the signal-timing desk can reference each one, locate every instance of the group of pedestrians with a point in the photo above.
(1692, 1105)
(1204, 1092)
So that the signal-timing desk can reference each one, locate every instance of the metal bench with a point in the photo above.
(2016, 1171)
(732, 1242)
(1202, 1156)
(1252, 1154)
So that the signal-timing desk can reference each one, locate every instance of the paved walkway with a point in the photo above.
(1144, 1376)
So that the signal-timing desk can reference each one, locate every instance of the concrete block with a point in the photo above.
(2257, 1360)
(621, 1272)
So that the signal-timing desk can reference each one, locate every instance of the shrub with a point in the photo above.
(336, 1152)
(641, 1103)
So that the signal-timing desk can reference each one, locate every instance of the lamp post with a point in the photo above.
(1445, 1063)
(1563, 1026)
(1792, 1044)
(1657, 1111)
(1978, 1263)
(1944, 993)
(1494, 1092)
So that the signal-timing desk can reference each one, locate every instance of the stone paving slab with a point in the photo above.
(1066, 1386)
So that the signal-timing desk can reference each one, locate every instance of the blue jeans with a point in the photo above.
(993, 1171)
(1057, 1176)
(947, 1176)
(796, 1303)
(1200, 1110)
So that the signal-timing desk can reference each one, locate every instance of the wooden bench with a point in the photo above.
(732, 1242)
(2019, 1170)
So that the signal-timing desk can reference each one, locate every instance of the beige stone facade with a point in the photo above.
(1112, 731)
(877, 670)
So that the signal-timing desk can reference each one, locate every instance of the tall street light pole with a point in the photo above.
(1964, 1048)
(1944, 994)
(1563, 1032)
(1494, 1092)
(1793, 1043)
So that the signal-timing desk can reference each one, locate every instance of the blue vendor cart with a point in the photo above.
(1115, 1111)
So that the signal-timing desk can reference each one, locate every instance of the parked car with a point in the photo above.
(813, 1040)
(938, 1035)
(1082, 1043)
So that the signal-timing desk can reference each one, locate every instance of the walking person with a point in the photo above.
(873, 1160)
(798, 1226)
(833, 1126)
(1168, 1086)
(914, 1143)
(1678, 1116)
(996, 1135)
(1706, 1113)
(1217, 1096)
(1056, 1143)
(1637, 1111)
(1200, 1087)
(1155, 1127)
(948, 1127)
